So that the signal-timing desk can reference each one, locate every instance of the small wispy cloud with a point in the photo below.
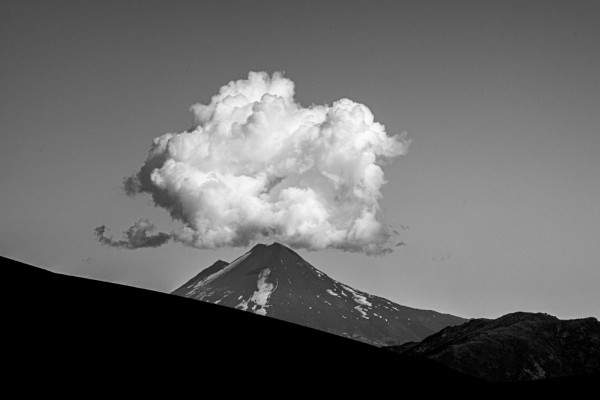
(136, 237)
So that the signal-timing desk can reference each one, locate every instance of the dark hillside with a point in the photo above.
(70, 335)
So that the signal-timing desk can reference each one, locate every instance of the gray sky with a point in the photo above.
(500, 188)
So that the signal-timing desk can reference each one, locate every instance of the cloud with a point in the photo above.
(257, 165)
(135, 237)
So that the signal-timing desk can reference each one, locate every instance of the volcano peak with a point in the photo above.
(273, 251)
(277, 245)
(274, 245)
(259, 246)
(275, 281)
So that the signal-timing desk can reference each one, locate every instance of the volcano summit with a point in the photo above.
(275, 281)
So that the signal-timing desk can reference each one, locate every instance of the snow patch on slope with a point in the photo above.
(227, 293)
(361, 300)
(260, 297)
(363, 312)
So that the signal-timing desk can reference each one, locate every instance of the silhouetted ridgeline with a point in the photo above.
(514, 347)
(73, 335)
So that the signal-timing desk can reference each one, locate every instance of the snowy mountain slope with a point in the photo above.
(275, 281)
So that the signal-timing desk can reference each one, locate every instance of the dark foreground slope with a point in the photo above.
(515, 347)
(71, 334)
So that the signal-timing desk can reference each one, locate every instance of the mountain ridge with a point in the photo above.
(277, 282)
(105, 336)
(514, 347)
(66, 329)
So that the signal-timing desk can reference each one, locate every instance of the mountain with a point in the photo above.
(275, 281)
(71, 335)
(515, 347)
(67, 334)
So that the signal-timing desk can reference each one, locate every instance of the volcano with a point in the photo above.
(274, 281)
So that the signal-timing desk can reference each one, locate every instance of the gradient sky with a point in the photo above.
(500, 189)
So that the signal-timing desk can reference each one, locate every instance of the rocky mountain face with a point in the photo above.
(515, 347)
(276, 282)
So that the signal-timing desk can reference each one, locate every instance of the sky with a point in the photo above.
(497, 198)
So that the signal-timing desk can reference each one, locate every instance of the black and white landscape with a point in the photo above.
(396, 196)
(275, 281)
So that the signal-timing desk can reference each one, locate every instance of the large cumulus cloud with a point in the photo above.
(259, 166)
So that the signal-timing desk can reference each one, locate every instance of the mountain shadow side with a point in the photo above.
(515, 347)
(275, 281)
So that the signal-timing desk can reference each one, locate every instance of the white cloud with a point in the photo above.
(257, 164)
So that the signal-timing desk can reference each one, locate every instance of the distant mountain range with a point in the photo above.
(275, 281)
(516, 347)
